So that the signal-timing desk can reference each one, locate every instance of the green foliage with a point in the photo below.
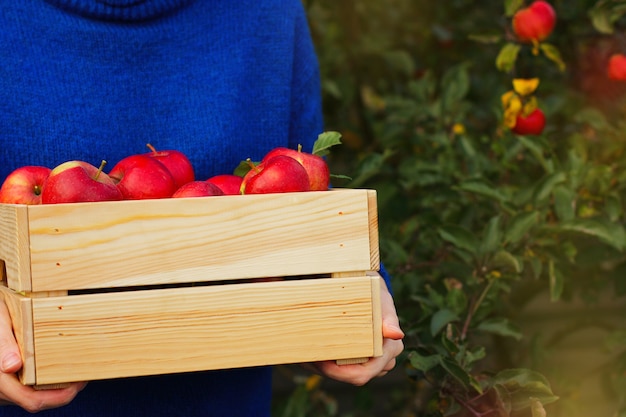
(518, 385)
(606, 13)
(325, 141)
(477, 223)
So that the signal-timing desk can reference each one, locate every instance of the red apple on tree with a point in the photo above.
(176, 162)
(78, 181)
(279, 174)
(616, 68)
(531, 124)
(315, 166)
(24, 185)
(140, 177)
(535, 22)
(197, 189)
(230, 184)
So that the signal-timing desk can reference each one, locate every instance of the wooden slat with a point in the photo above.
(87, 337)
(114, 244)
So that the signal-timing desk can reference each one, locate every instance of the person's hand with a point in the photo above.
(360, 374)
(11, 389)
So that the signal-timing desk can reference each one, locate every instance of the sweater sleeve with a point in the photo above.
(306, 109)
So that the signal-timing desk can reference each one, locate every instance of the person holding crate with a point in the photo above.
(98, 79)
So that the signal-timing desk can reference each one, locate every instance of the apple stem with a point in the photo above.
(100, 169)
(252, 165)
(536, 46)
(299, 147)
(152, 148)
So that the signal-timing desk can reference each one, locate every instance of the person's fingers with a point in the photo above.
(391, 322)
(392, 331)
(360, 374)
(10, 358)
(13, 392)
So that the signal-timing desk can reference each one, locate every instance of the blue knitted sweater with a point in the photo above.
(220, 80)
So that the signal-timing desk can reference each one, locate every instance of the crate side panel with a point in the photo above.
(103, 336)
(20, 309)
(372, 199)
(377, 315)
(113, 244)
(15, 246)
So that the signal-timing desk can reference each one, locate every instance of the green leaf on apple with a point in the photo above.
(325, 141)
(243, 168)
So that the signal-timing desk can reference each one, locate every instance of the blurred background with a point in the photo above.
(506, 249)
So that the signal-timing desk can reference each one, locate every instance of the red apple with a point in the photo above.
(78, 181)
(230, 184)
(197, 189)
(279, 174)
(616, 69)
(176, 162)
(315, 166)
(531, 124)
(535, 22)
(141, 177)
(24, 185)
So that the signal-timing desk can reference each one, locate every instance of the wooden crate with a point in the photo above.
(116, 289)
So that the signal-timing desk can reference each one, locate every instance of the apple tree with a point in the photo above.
(498, 158)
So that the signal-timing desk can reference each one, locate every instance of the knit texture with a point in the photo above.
(219, 80)
(131, 10)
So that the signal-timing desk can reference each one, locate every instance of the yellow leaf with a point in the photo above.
(530, 106)
(495, 274)
(510, 118)
(506, 98)
(514, 107)
(458, 129)
(372, 100)
(525, 86)
(313, 382)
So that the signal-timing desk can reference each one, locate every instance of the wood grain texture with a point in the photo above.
(377, 315)
(373, 230)
(15, 246)
(377, 321)
(49, 250)
(97, 336)
(147, 242)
